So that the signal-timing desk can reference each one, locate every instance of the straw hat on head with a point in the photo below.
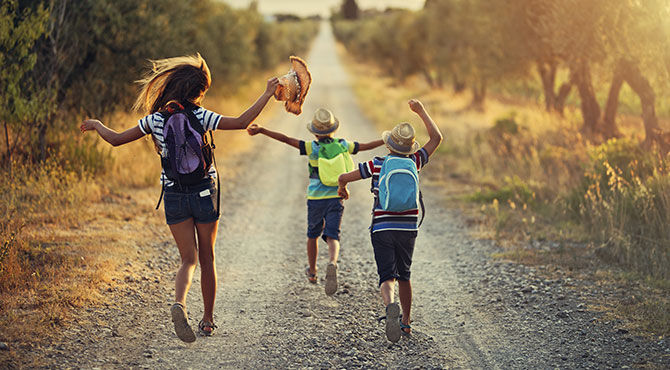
(401, 139)
(293, 86)
(323, 123)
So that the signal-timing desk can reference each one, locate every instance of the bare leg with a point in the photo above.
(387, 290)
(312, 252)
(405, 295)
(206, 240)
(184, 236)
(333, 249)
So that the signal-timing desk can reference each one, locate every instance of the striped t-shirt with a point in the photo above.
(384, 220)
(153, 124)
(316, 189)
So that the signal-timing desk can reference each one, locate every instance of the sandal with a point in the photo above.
(311, 277)
(180, 320)
(403, 327)
(206, 328)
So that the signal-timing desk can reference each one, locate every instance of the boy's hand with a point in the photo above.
(254, 129)
(89, 124)
(271, 86)
(343, 192)
(416, 106)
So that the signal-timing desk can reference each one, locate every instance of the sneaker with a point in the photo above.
(393, 322)
(331, 279)
(180, 320)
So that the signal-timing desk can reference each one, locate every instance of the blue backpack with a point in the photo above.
(399, 185)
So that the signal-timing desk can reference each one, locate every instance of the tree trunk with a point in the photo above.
(459, 85)
(612, 104)
(589, 105)
(9, 150)
(439, 80)
(547, 72)
(479, 95)
(634, 77)
(562, 96)
(429, 78)
(42, 138)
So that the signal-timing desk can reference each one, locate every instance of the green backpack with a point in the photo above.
(334, 160)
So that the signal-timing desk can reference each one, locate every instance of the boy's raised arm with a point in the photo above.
(255, 129)
(370, 145)
(434, 134)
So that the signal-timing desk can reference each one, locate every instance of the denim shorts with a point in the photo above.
(195, 201)
(324, 216)
(393, 253)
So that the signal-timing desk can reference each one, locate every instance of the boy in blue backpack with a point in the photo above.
(328, 158)
(395, 185)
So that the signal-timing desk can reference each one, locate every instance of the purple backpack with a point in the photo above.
(187, 156)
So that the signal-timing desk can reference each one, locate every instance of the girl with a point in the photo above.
(190, 211)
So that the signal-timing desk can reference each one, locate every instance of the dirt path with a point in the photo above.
(469, 311)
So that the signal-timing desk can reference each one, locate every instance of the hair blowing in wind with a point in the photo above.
(183, 79)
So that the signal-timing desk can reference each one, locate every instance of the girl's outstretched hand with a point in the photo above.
(254, 129)
(416, 106)
(89, 124)
(271, 86)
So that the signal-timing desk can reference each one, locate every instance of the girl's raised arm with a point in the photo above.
(246, 118)
(109, 135)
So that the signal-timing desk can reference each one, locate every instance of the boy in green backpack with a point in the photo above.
(328, 158)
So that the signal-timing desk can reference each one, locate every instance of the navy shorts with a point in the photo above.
(393, 253)
(195, 201)
(324, 215)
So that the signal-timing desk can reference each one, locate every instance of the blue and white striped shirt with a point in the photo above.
(386, 220)
(153, 124)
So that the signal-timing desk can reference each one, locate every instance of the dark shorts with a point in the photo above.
(324, 215)
(195, 201)
(393, 253)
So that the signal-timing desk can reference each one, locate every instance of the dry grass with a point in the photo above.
(69, 237)
(514, 168)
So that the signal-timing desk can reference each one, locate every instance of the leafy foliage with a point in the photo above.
(63, 60)
(572, 43)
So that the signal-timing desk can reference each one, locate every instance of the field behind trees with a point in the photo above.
(64, 194)
(589, 161)
(555, 117)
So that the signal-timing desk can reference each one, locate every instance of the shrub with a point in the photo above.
(624, 199)
(513, 190)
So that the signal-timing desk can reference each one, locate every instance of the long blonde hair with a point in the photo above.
(182, 79)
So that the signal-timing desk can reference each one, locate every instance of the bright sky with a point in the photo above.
(310, 7)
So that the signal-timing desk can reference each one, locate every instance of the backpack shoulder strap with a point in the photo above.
(423, 208)
(195, 122)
